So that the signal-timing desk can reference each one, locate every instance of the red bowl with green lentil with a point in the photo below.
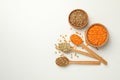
(97, 35)
(78, 18)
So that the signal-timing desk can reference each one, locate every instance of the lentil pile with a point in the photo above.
(76, 39)
(97, 35)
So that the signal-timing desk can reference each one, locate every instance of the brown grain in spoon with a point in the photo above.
(64, 61)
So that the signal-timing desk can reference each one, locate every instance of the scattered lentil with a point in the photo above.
(77, 32)
(55, 52)
(71, 55)
(77, 56)
(65, 35)
(97, 48)
(71, 28)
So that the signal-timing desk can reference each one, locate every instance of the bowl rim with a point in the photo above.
(78, 27)
(88, 42)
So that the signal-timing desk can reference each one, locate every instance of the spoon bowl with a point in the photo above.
(64, 61)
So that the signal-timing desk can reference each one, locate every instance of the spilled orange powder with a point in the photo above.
(97, 35)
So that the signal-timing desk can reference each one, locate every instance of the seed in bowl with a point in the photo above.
(78, 18)
(97, 35)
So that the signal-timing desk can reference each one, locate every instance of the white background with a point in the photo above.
(30, 28)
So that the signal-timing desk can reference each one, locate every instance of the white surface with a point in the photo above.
(29, 29)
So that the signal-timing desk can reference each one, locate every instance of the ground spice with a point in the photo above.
(76, 39)
(97, 35)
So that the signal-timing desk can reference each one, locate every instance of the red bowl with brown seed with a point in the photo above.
(78, 18)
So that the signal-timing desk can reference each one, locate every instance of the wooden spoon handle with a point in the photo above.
(83, 53)
(85, 62)
(94, 54)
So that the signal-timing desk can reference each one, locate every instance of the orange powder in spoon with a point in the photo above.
(76, 39)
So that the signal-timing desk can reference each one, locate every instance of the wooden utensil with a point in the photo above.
(83, 53)
(64, 61)
(77, 40)
(67, 48)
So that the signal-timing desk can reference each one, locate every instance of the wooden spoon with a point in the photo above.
(64, 61)
(77, 40)
(67, 48)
